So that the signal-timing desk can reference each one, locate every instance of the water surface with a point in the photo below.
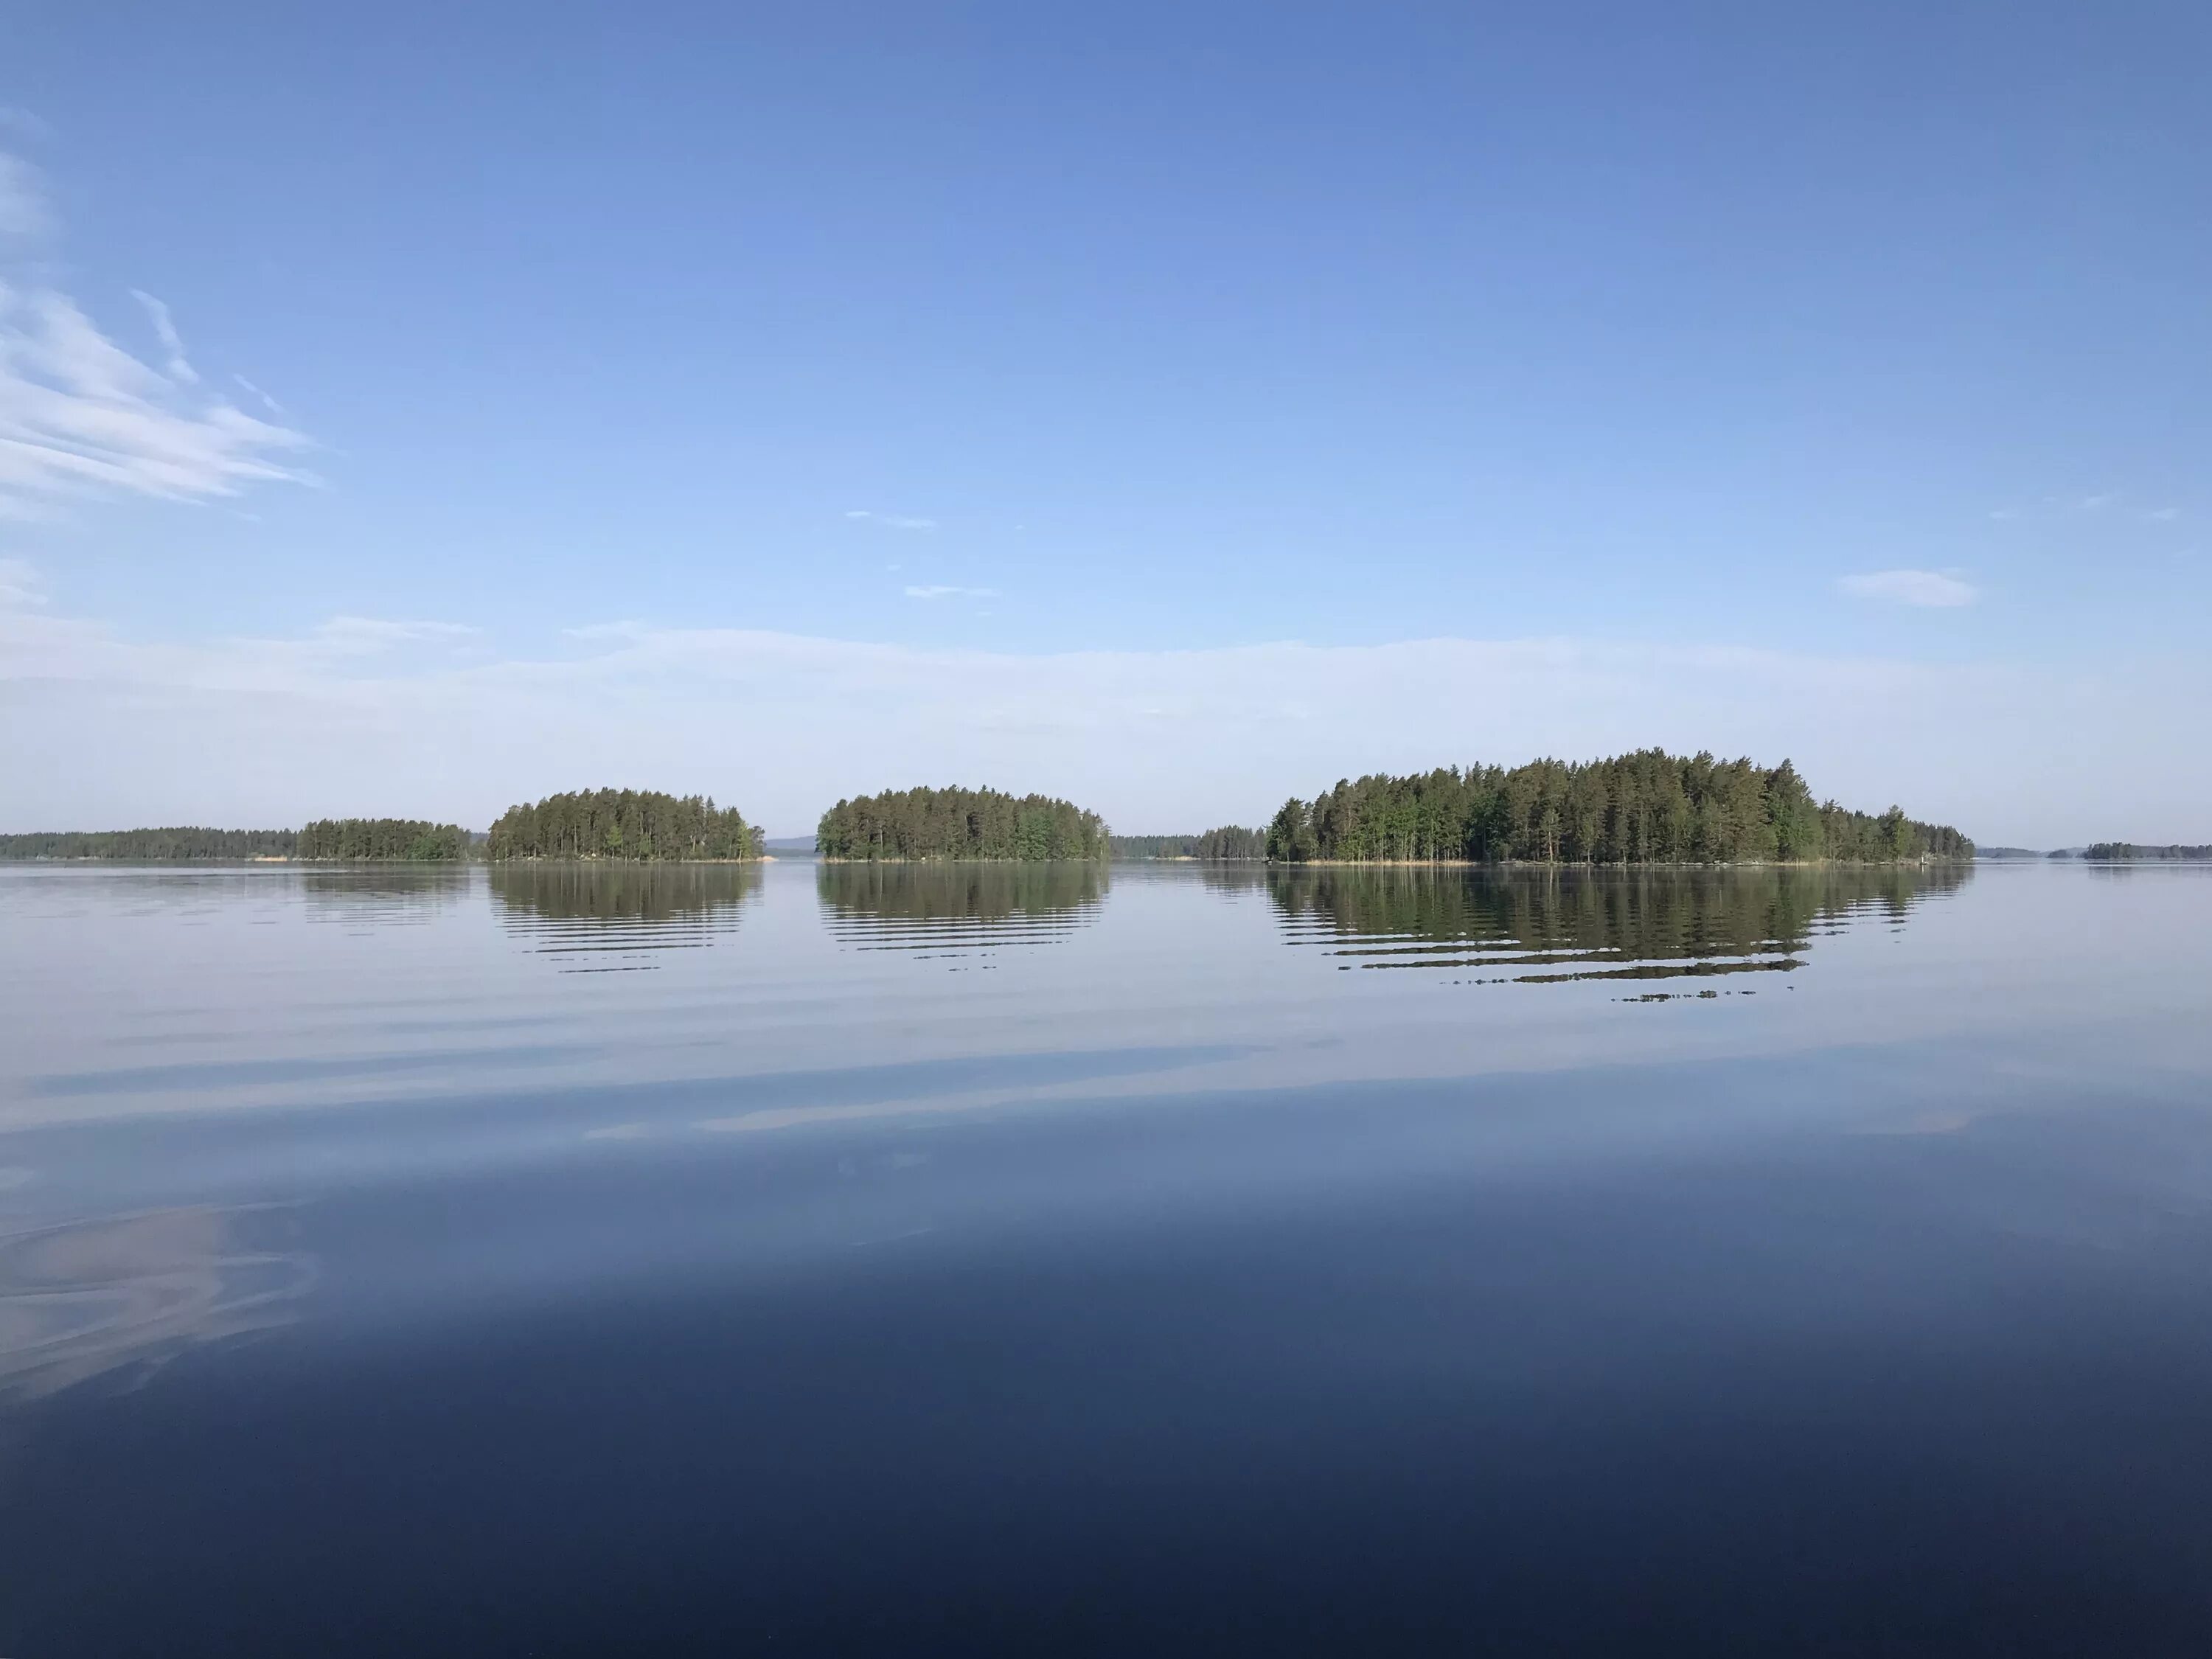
(1062, 1260)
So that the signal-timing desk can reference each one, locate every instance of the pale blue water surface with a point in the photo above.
(1073, 1260)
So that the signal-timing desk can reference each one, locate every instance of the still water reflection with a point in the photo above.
(610, 920)
(1537, 928)
(955, 910)
(372, 1282)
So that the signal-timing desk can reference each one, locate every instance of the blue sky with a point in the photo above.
(962, 357)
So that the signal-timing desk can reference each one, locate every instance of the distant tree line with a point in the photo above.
(1646, 807)
(413, 840)
(151, 845)
(1227, 843)
(959, 824)
(2123, 852)
(640, 825)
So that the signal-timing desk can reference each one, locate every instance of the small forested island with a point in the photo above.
(959, 824)
(635, 825)
(1230, 843)
(2124, 852)
(1649, 807)
(408, 840)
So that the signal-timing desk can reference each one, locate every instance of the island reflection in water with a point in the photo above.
(593, 912)
(366, 899)
(1553, 927)
(1174, 1292)
(958, 909)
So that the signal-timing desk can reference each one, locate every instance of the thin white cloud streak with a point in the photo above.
(2163, 514)
(1925, 588)
(80, 416)
(892, 520)
(268, 401)
(938, 590)
(176, 365)
(99, 730)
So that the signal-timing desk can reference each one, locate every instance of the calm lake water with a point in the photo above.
(804, 1260)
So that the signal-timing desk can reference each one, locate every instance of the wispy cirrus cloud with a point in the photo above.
(891, 520)
(176, 366)
(268, 401)
(938, 590)
(1930, 589)
(2163, 514)
(82, 417)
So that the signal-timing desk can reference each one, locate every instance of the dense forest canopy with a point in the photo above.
(959, 824)
(187, 842)
(1647, 807)
(638, 825)
(413, 840)
(1228, 843)
(2123, 852)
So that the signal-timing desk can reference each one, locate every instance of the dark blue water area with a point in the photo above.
(1429, 1366)
(1803, 1323)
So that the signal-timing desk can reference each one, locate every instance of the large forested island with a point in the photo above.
(958, 824)
(1645, 808)
(635, 825)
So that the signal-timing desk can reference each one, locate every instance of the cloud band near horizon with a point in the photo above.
(427, 719)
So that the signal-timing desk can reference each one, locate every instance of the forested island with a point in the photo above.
(408, 840)
(2124, 852)
(909, 824)
(325, 840)
(630, 825)
(1229, 844)
(1649, 807)
(172, 845)
(634, 825)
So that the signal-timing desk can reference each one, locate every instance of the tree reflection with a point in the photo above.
(1649, 923)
